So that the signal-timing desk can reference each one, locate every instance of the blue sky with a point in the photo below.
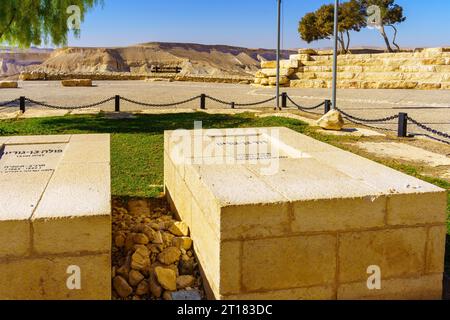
(247, 23)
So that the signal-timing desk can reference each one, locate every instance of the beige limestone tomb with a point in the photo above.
(280, 215)
(55, 217)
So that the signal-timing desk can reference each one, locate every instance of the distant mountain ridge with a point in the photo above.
(194, 59)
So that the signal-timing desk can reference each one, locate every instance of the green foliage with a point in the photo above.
(391, 13)
(30, 22)
(319, 25)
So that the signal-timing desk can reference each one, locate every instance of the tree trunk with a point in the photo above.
(395, 37)
(342, 42)
(348, 42)
(386, 39)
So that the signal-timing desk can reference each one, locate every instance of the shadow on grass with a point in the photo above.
(150, 124)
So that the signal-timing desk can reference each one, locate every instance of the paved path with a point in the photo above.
(429, 107)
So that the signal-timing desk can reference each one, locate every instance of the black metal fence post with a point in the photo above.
(203, 101)
(284, 100)
(117, 104)
(232, 105)
(327, 106)
(402, 125)
(22, 104)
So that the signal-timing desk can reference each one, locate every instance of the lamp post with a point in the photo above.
(278, 54)
(335, 53)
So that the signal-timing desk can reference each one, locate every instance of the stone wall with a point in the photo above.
(422, 69)
(41, 76)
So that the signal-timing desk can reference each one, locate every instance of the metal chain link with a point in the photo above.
(368, 126)
(69, 108)
(8, 103)
(305, 108)
(241, 104)
(431, 130)
(367, 120)
(160, 105)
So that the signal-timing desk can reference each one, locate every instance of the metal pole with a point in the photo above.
(336, 30)
(278, 54)
(402, 125)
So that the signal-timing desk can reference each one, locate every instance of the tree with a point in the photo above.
(390, 14)
(319, 25)
(29, 22)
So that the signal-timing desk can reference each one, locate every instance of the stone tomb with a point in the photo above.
(312, 223)
(55, 217)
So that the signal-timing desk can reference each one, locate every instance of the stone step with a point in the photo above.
(440, 61)
(364, 84)
(377, 76)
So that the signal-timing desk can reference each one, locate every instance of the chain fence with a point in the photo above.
(87, 106)
(402, 118)
(428, 129)
(251, 104)
(9, 103)
(173, 104)
(306, 108)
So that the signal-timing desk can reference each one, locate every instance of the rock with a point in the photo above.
(167, 278)
(182, 242)
(185, 281)
(259, 74)
(129, 242)
(268, 64)
(77, 83)
(138, 208)
(149, 232)
(186, 295)
(307, 51)
(283, 80)
(179, 228)
(167, 238)
(186, 267)
(331, 121)
(155, 289)
(140, 259)
(119, 240)
(123, 271)
(8, 85)
(142, 288)
(158, 239)
(169, 255)
(265, 82)
(140, 238)
(167, 295)
(122, 287)
(135, 277)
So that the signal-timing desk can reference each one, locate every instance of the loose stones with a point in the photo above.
(167, 278)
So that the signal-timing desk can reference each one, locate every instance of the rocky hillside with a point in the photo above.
(193, 59)
(14, 61)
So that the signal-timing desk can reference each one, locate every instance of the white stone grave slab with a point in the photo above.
(55, 217)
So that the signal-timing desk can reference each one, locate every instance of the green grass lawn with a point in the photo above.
(137, 144)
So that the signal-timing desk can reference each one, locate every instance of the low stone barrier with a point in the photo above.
(77, 83)
(55, 218)
(422, 69)
(277, 215)
(42, 76)
(8, 84)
